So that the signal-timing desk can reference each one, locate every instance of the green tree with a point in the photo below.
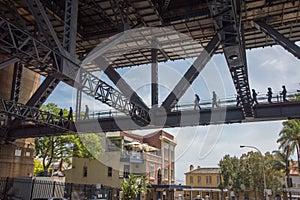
(246, 173)
(60, 148)
(37, 166)
(230, 171)
(282, 163)
(290, 136)
(133, 186)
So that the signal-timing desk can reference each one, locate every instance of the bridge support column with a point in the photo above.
(154, 77)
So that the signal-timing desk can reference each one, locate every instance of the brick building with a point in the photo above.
(151, 155)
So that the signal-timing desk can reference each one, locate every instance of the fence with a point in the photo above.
(30, 188)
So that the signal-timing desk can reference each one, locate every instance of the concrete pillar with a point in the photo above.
(16, 160)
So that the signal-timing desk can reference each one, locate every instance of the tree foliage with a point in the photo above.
(246, 173)
(133, 186)
(37, 166)
(58, 149)
(289, 137)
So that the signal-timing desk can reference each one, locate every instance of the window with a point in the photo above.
(166, 173)
(152, 171)
(85, 171)
(218, 179)
(18, 152)
(113, 144)
(126, 171)
(191, 179)
(109, 172)
(199, 180)
(208, 180)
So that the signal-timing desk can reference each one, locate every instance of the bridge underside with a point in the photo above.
(57, 39)
(218, 116)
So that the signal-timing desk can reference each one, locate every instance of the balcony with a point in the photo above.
(132, 157)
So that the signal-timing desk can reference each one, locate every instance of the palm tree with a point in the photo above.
(290, 136)
(282, 163)
(133, 186)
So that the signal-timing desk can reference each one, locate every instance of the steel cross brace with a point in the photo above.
(46, 61)
(227, 18)
(16, 84)
(101, 91)
(279, 38)
(191, 74)
(34, 114)
(42, 93)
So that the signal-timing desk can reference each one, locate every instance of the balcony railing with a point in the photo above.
(132, 157)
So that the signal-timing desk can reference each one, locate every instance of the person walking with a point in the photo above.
(197, 102)
(60, 114)
(70, 115)
(86, 114)
(269, 95)
(283, 93)
(214, 100)
(254, 97)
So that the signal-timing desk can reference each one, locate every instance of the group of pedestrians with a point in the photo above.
(269, 95)
(70, 114)
(216, 103)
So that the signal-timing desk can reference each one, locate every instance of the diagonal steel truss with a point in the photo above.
(46, 61)
(34, 115)
(16, 84)
(278, 37)
(191, 74)
(227, 18)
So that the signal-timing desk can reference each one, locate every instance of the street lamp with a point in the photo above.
(263, 164)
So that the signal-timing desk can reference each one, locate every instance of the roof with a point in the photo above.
(208, 170)
(153, 139)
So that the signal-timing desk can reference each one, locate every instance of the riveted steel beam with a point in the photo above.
(278, 37)
(16, 84)
(35, 115)
(191, 73)
(8, 62)
(44, 60)
(70, 27)
(227, 19)
(43, 92)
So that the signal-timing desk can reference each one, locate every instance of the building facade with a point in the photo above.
(150, 155)
(204, 183)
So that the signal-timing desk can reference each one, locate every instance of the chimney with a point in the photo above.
(191, 167)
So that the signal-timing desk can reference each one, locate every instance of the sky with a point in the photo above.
(205, 146)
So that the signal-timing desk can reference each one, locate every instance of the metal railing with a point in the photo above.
(205, 104)
(30, 188)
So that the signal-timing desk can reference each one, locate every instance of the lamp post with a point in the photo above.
(263, 164)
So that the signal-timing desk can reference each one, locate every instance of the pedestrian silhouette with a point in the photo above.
(197, 102)
(214, 100)
(86, 114)
(60, 114)
(70, 115)
(269, 95)
(283, 93)
(254, 97)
